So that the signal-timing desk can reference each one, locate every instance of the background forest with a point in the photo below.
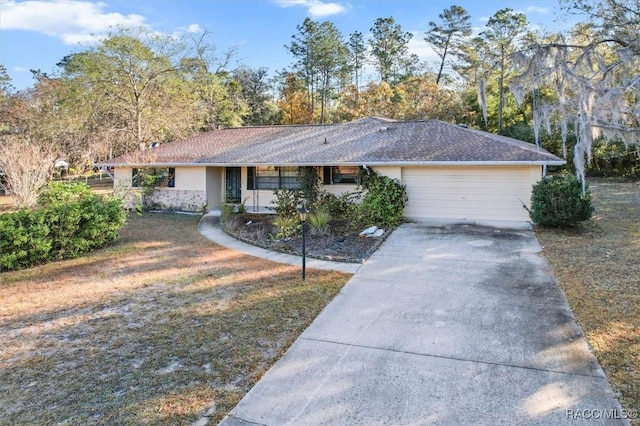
(576, 94)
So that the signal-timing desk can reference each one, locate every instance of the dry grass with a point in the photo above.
(598, 267)
(7, 203)
(159, 328)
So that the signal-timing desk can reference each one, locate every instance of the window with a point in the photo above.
(272, 177)
(164, 177)
(340, 174)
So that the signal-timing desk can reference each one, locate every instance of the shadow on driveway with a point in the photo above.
(450, 324)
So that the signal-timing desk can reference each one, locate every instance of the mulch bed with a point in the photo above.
(341, 243)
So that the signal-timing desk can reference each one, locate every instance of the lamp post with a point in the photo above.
(303, 218)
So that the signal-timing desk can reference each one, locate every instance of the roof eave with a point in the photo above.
(467, 163)
(149, 164)
(342, 163)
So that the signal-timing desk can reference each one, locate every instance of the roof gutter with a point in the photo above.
(459, 163)
(346, 163)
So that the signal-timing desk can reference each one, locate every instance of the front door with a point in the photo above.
(233, 184)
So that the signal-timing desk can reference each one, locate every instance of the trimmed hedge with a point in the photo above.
(558, 201)
(70, 221)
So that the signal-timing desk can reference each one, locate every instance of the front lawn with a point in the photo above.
(598, 267)
(159, 328)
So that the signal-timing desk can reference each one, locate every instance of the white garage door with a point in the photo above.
(484, 193)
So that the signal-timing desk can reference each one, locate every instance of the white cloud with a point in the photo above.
(421, 48)
(536, 9)
(319, 9)
(194, 28)
(71, 21)
(316, 8)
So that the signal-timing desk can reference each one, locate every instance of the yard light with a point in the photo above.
(303, 218)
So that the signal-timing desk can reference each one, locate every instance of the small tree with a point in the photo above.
(558, 201)
(27, 167)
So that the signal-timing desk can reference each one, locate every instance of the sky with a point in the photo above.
(37, 34)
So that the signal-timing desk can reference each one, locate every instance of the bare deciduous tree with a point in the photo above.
(27, 167)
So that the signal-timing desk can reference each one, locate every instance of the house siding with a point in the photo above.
(215, 187)
(189, 193)
(191, 178)
(447, 192)
(469, 193)
(393, 172)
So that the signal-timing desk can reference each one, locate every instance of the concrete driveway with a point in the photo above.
(459, 324)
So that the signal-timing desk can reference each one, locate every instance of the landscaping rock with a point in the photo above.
(379, 233)
(370, 230)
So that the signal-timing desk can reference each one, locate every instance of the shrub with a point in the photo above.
(73, 221)
(287, 202)
(383, 203)
(57, 193)
(345, 207)
(24, 239)
(288, 226)
(319, 222)
(226, 212)
(558, 201)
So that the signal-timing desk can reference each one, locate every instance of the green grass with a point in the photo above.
(160, 328)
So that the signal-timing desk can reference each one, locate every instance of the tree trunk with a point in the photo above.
(501, 89)
(444, 57)
(139, 124)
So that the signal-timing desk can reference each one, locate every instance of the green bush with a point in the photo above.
(71, 221)
(288, 226)
(383, 203)
(24, 239)
(319, 222)
(226, 212)
(57, 193)
(287, 202)
(558, 201)
(344, 207)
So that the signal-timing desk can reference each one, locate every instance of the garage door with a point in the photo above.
(471, 193)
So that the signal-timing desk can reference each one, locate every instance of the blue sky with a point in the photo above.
(37, 34)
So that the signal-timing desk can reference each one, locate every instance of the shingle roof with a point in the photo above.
(369, 140)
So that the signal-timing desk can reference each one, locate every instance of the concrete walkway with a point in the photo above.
(448, 325)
